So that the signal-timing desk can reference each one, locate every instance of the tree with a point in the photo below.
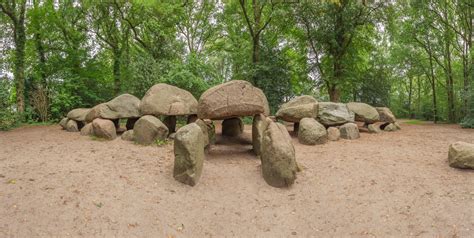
(16, 12)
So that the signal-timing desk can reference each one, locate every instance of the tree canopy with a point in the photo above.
(415, 57)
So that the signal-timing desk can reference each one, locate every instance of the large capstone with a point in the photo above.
(78, 114)
(167, 100)
(258, 126)
(148, 129)
(236, 98)
(349, 131)
(188, 154)
(311, 132)
(333, 114)
(363, 112)
(95, 112)
(386, 114)
(123, 106)
(298, 108)
(104, 128)
(278, 156)
(232, 127)
(461, 155)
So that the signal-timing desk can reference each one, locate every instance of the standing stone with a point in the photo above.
(278, 156)
(333, 133)
(170, 122)
(298, 108)
(104, 128)
(311, 132)
(349, 131)
(148, 129)
(87, 130)
(386, 114)
(390, 127)
(63, 123)
(258, 126)
(397, 125)
(208, 131)
(364, 112)
(232, 127)
(334, 114)
(461, 155)
(188, 154)
(72, 126)
(372, 128)
(128, 135)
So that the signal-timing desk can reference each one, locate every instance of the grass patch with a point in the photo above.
(160, 143)
(414, 122)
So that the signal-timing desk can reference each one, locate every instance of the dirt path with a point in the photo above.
(55, 183)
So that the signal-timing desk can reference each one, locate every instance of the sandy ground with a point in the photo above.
(56, 183)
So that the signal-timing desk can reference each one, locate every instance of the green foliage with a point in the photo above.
(160, 143)
(8, 118)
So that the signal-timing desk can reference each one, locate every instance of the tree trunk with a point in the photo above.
(19, 71)
(410, 93)
(334, 93)
(433, 88)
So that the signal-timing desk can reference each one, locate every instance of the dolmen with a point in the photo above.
(75, 120)
(229, 102)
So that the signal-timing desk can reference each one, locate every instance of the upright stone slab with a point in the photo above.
(278, 156)
(333, 133)
(311, 132)
(232, 127)
(385, 114)
(189, 154)
(372, 128)
(258, 126)
(148, 129)
(87, 130)
(128, 135)
(104, 128)
(461, 155)
(72, 126)
(63, 123)
(208, 131)
(349, 131)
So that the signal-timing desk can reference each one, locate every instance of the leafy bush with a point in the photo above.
(8, 118)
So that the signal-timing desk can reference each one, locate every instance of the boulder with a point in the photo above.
(167, 100)
(128, 135)
(95, 112)
(188, 154)
(258, 126)
(72, 126)
(364, 112)
(87, 130)
(385, 114)
(461, 155)
(372, 128)
(148, 129)
(389, 127)
(311, 132)
(78, 114)
(63, 122)
(123, 106)
(397, 125)
(333, 133)
(104, 128)
(334, 114)
(235, 98)
(208, 131)
(278, 156)
(298, 108)
(232, 127)
(349, 131)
